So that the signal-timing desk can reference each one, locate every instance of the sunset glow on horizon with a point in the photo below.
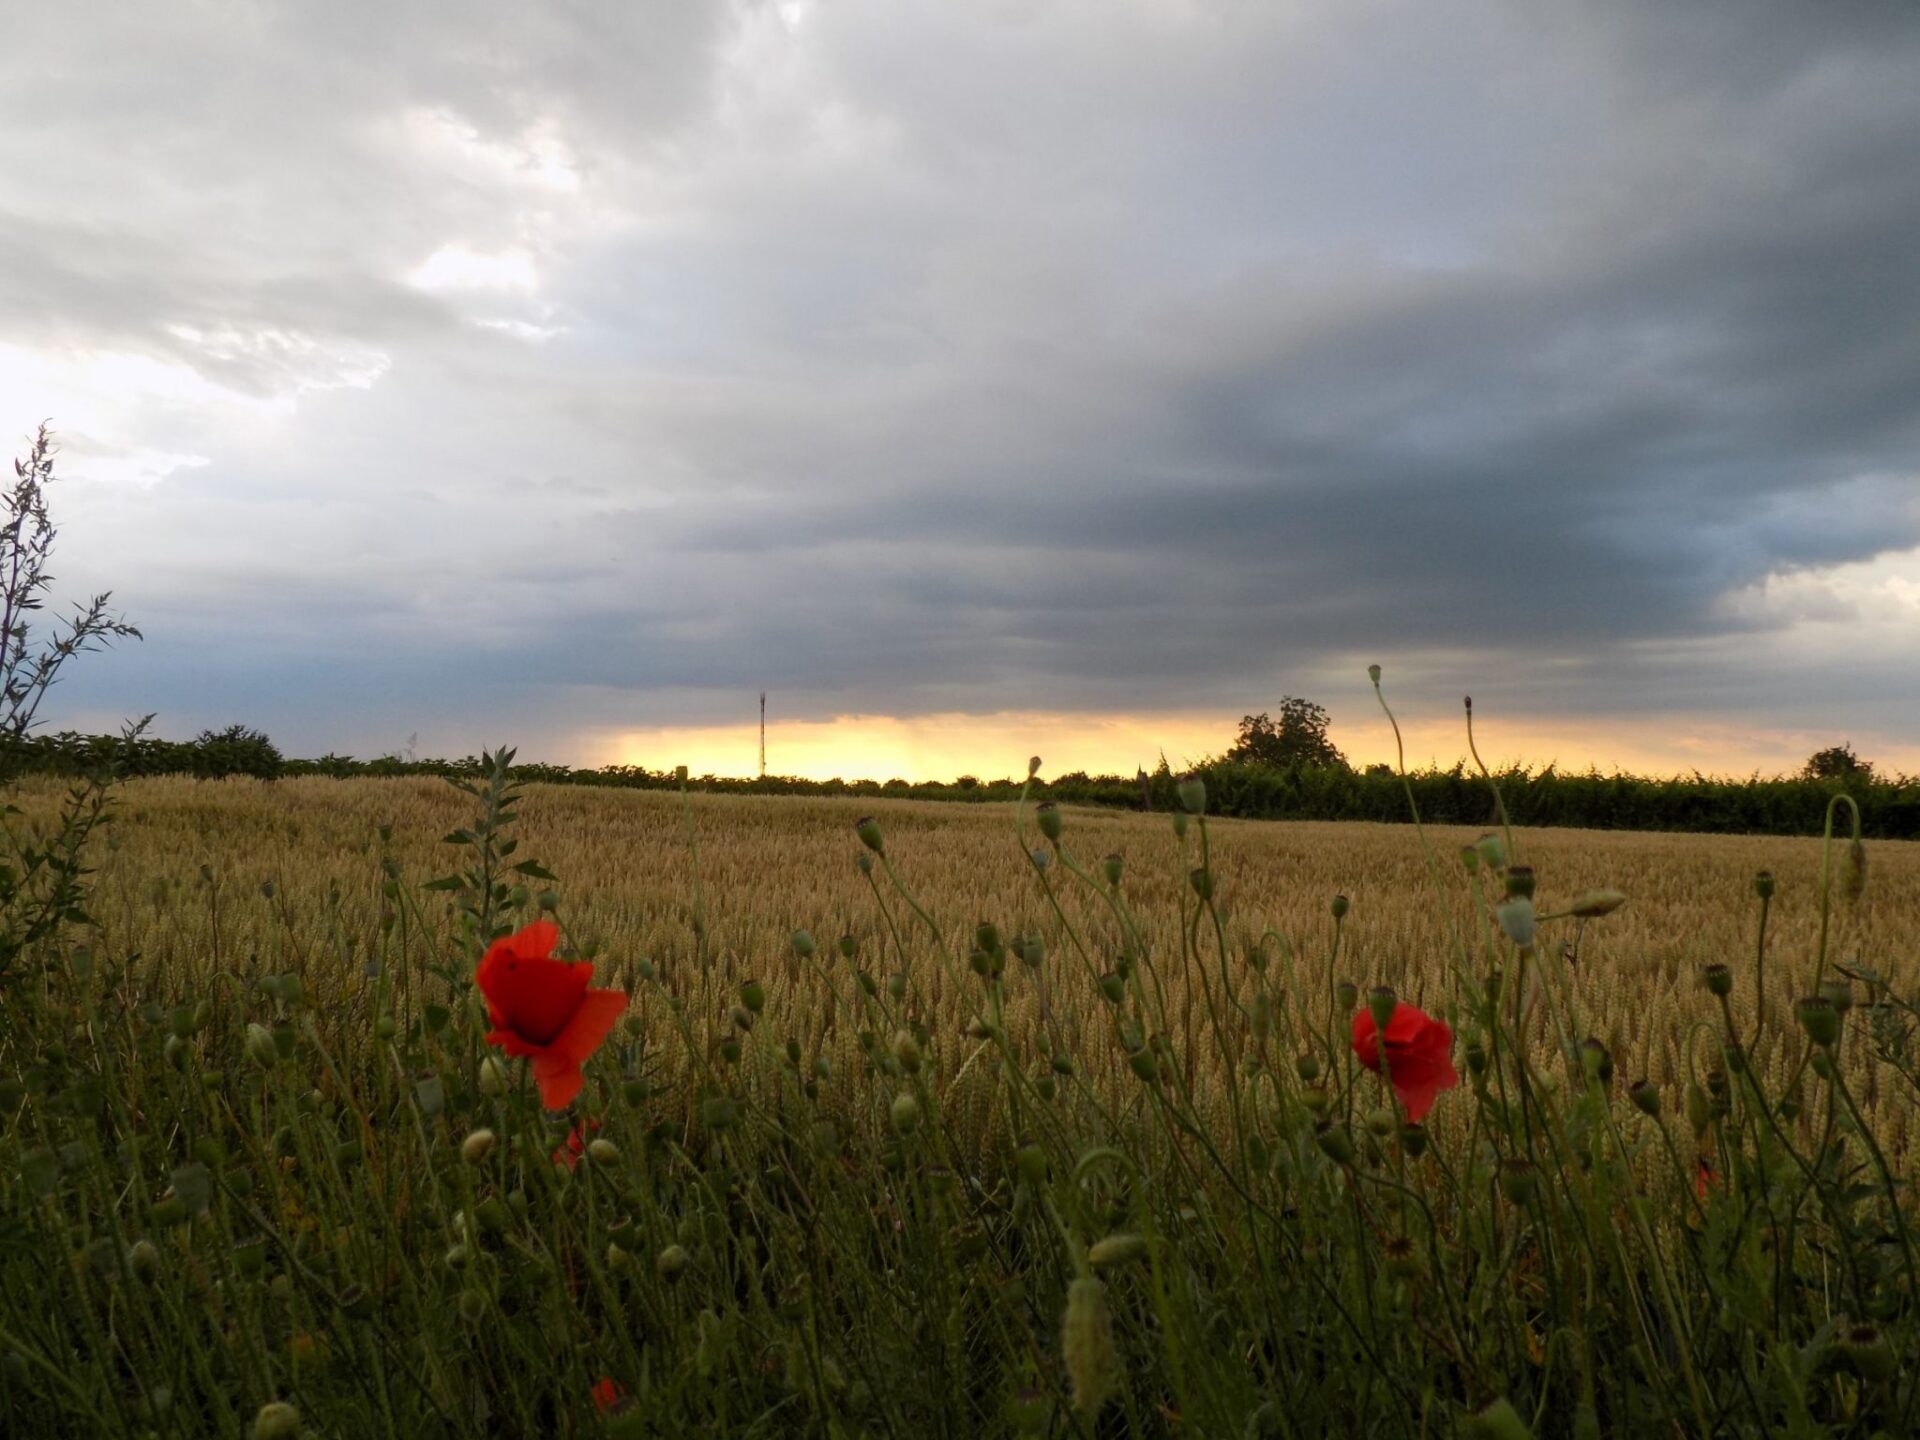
(942, 747)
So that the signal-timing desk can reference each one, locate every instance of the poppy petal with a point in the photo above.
(533, 996)
(559, 1080)
(599, 1011)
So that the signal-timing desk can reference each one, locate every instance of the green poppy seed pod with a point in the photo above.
(518, 896)
(906, 1050)
(986, 936)
(1112, 988)
(1498, 1421)
(868, 985)
(1819, 1018)
(1111, 868)
(897, 984)
(868, 829)
(1202, 882)
(1032, 951)
(176, 1052)
(1033, 766)
(730, 1049)
(1517, 1179)
(471, 1306)
(277, 1420)
(143, 1260)
(1699, 1109)
(1413, 1139)
(1519, 881)
(477, 1146)
(1031, 1161)
(1116, 1250)
(548, 901)
(1145, 1066)
(1373, 673)
(1717, 978)
(802, 944)
(1307, 1067)
(1086, 1345)
(1046, 1087)
(1763, 884)
(1335, 1142)
(1840, 993)
(385, 1028)
(1339, 907)
(1492, 851)
(1381, 1003)
(1476, 1056)
(202, 1013)
(260, 1047)
(1592, 904)
(1179, 824)
(1853, 872)
(1316, 1098)
(1401, 1259)
(602, 1152)
(1346, 995)
(493, 1076)
(1595, 1060)
(848, 946)
(864, 863)
(1192, 791)
(1645, 1096)
(1047, 816)
(1867, 1350)
(905, 1111)
(1516, 919)
(979, 961)
(793, 1051)
(753, 995)
(1469, 858)
(1380, 1123)
(671, 1262)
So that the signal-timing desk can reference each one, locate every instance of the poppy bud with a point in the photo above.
(1339, 907)
(986, 936)
(602, 1152)
(1763, 884)
(1517, 919)
(1381, 1003)
(260, 1047)
(1413, 1140)
(1498, 1421)
(1062, 1065)
(1519, 882)
(1111, 867)
(1853, 872)
(1144, 1065)
(1819, 1019)
(1517, 1180)
(730, 1048)
(1032, 950)
(1476, 1056)
(1192, 791)
(1645, 1096)
(1316, 1099)
(1046, 1087)
(1116, 1250)
(493, 1076)
(906, 1112)
(1086, 1345)
(1334, 1141)
(1307, 1067)
(868, 985)
(1202, 882)
(1112, 988)
(1717, 978)
(1031, 1161)
(670, 1262)
(753, 995)
(1346, 995)
(868, 829)
(1592, 904)
(477, 1146)
(1699, 1112)
(277, 1420)
(897, 984)
(1047, 816)
(176, 1052)
(471, 1306)
(848, 946)
(803, 944)
(1179, 824)
(1380, 1123)
(1595, 1060)
(143, 1259)
(1492, 851)
(907, 1052)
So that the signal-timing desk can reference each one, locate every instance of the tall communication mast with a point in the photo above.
(763, 734)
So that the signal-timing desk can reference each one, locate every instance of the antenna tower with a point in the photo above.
(763, 734)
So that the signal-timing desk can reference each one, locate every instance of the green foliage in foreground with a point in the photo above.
(302, 1198)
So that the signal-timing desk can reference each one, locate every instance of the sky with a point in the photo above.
(978, 379)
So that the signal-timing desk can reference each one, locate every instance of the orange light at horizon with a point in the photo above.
(994, 746)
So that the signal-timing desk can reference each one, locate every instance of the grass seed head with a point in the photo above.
(1086, 1345)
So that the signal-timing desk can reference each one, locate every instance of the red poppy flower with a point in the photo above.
(1419, 1055)
(607, 1393)
(541, 1008)
(1705, 1177)
(569, 1154)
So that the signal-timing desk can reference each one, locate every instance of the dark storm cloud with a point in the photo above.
(907, 358)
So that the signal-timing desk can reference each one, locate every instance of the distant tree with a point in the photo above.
(1380, 768)
(1836, 762)
(1298, 737)
(236, 750)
